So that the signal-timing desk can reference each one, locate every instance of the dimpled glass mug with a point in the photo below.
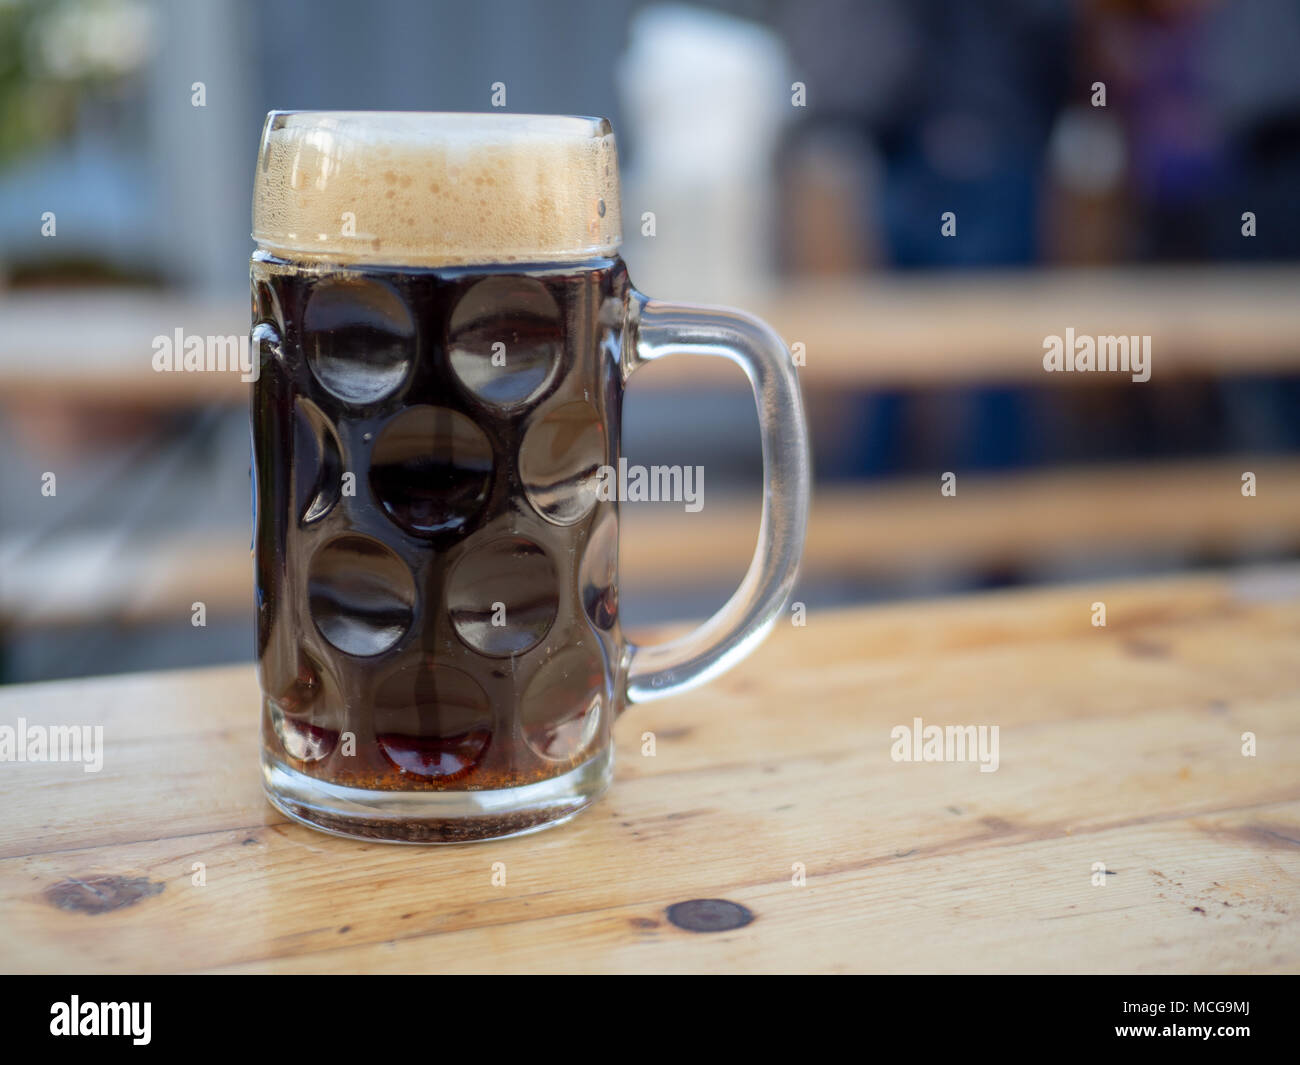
(444, 330)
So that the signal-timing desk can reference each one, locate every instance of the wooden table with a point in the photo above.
(1120, 745)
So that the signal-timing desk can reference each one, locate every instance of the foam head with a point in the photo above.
(436, 189)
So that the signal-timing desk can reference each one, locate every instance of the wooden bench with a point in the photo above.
(772, 788)
(94, 348)
(878, 531)
(889, 331)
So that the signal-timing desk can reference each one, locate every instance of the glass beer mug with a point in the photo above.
(443, 331)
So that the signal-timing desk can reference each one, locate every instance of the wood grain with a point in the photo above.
(1119, 745)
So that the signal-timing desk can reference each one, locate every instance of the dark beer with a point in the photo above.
(451, 606)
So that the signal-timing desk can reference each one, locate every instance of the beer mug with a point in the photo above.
(443, 330)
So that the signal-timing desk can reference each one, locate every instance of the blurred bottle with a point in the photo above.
(705, 95)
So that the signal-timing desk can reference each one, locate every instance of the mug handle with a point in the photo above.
(656, 329)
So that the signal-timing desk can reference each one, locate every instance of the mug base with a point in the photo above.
(435, 816)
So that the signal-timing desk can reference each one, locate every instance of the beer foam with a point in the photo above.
(436, 189)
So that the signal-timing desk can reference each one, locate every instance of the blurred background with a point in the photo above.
(798, 158)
